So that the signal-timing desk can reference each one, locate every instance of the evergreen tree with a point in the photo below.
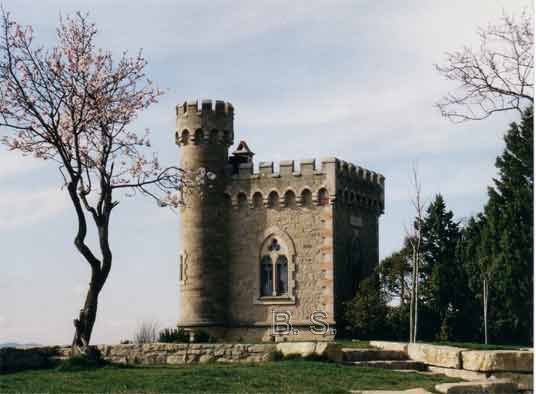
(474, 253)
(367, 311)
(395, 271)
(508, 236)
(442, 275)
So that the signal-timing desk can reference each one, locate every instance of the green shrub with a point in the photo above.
(293, 356)
(275, 355)
(174, 335)
(202, 336)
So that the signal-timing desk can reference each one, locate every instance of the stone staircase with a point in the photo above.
(378, 358)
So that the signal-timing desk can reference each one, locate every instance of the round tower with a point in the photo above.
(204, 136)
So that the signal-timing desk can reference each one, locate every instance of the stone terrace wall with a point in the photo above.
(183, 353)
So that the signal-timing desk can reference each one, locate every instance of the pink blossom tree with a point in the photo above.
(73, 104)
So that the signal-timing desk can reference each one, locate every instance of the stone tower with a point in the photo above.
(292, 239)
(204, 135)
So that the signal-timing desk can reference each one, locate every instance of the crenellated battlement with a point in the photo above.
(340, 181)
(305, 167)
(208, 122)
(192, 107)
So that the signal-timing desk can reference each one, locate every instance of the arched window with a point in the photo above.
(281, 275)
(274, 268)
(267, 287)
(213, 136)
(198, 138)
(323, 197)
(273, 200)
(290, 199)
(226, 200)
(306, 198)
(242, 200)
(227, 137)
(185, 137)
(346, 196)
(352, 197)
(257, 200)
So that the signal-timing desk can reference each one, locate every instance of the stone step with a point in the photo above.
(410, 391)
(499, 386)
(391, 364)
(351, 354)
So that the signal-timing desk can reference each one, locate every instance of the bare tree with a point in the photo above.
(499, 77)
(414, 238)
(146, 332)
(73, 105)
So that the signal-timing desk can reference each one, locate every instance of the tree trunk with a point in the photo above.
(485, 299)
(86, 319)
(412, 305)
(416, 318)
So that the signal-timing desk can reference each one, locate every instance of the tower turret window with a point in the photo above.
(185, 137)
(198, 137)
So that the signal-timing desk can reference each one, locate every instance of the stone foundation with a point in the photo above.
(186, 353)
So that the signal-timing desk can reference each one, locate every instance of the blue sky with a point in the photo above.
(308, 79)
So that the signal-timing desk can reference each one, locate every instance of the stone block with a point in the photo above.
(480, 387)
(458, 373)
(206, 358)
(524, 381)
(410, 391)
(304, 349)
(498, 360)
(441, 356)
(330, 350)
(387, 345)
(176, 359)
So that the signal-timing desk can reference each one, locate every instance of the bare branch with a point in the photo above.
(500, 77)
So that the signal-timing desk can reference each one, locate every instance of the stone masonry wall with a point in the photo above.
(185, 353)
(304, 227)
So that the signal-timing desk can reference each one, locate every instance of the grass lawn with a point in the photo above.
(294, 376)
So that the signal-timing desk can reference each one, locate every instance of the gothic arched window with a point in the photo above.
(274, 269)
(266, 276)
